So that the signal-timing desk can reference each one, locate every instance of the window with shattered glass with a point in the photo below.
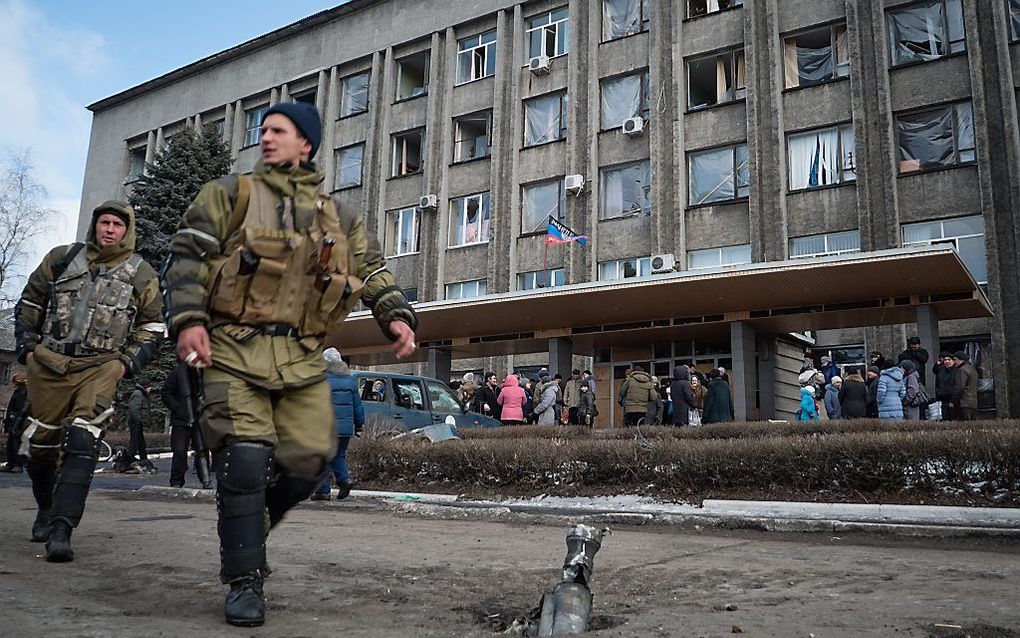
(926, 31)
(349, 162)
(697, 8)
(471, 137)
(816, 56)
(626, 190)
(469, 220)
(936, 138)
(545, 119)
(716, 79)
(541, 201)
(821, 157)
(354, 94)
(1013, 7)
(621, 18)
(625, 268)
(718, 175)
(623, 98)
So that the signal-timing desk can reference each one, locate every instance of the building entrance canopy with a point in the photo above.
(845, 291)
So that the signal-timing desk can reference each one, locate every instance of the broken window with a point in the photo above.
(719, 257)
(697, 8)
(621, 18)
(402, 232)
(816, 56)
(408, 153)
(307, 97)
(476, 57)
(466, 289)
(354, 94)
(623, 98)
(469, 222)
(548, 34)
(413, 76)
(373, 389)
(1013, 6)
(541, 279)
(934, 138)
(718, 175)
(136, 164)
(545, 119)
(471, 137)
(716, 79)
(822, 157)
(349, 163)
(625, 268)
(926, 31)
(253, 125)
(965, 234)
(826, 244)
(540, 202)
(626, 190)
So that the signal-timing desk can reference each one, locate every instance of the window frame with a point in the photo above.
(397, 239)
(393, 151)
(133, 153)
(1013, 20)
(645, 106)
(956, 142)
(528, 30)
(258, 112)
(736, 187)
(488, 48)
(561, 200)
(739, 93)
(952, 239)
(719, 249)
(688, 16)
(488, 135)
(831, 26)
(484, 220)
(641, 212)
(427, 54)
(642, 263)
(644, 10)
(343, 89)
(338, 172)
(564, 124)
(551, 275)
(842, 181)
(825, 238)
(945, 25)
(478, 284)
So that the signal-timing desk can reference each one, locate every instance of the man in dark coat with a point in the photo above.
(917, 354)
(176, 395)
(719, 401)
(682, 396)
(853, 397)
(14, 424)
(139, 414)
(485, 399)
(964, 397)
(872, 406)
(945, 377)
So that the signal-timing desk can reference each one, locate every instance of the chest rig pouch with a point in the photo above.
(301, 275)
(89, 314)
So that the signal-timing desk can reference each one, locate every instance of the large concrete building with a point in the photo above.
(824, 141)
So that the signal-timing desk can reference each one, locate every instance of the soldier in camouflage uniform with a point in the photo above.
(262, 270)
(90, 314)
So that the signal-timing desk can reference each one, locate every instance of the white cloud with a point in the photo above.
(39, 63)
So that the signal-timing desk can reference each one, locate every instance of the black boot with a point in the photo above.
(245, 605)
(344, 487)
(58, 547)
(44, 478)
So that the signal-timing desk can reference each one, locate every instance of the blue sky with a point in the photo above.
(58, 56)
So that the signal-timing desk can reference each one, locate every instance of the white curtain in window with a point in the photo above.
(620, 18)
(625, 191)
(847, 147)
(541, 120)
(922, 233)
(349, 166)
(355, 95)
(540, 202)
(723, 87)
(621, 100)
(845, 242)
(842, 52)
(711, 176)
(814, 159)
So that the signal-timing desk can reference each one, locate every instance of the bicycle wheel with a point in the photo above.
(105, 452)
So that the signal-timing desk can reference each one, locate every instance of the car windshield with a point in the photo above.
(442, 399)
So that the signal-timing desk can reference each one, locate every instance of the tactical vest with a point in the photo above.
(270, 275)
(88, 314)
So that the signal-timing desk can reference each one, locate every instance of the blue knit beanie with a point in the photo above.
(305, 117)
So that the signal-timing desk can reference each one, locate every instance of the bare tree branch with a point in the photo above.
(23, 217)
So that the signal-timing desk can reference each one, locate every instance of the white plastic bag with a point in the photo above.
(934, 411)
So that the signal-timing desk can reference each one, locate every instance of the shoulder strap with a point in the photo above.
(240, 208)
(65, 261)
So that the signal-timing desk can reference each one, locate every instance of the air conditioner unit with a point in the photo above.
(428, 202)
(663, 263)
(574, 184)
(540, 65)
(634, 126)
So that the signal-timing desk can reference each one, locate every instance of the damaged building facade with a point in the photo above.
(705, 138)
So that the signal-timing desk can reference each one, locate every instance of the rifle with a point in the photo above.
(194, 392)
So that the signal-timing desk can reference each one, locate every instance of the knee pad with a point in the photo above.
(244, 467)
(287, 491)
(243, 471)
(81, 448)
(81, 439)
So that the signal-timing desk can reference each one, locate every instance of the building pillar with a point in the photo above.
(561, 356)
(439, 364)
(150, 148)
(327, 97)
(228, 124)
(505, 142)
(160, 141)
(767, 377)
(743, 377)
(928, 333)
(196, 123)
(274, 96)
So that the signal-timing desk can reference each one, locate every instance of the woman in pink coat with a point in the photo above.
(512, 398)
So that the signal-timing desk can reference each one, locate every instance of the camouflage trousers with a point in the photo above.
(296, 422)
(56, 400)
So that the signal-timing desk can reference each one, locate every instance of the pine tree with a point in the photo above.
(160, 197)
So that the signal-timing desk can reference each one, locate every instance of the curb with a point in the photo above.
(770, 516)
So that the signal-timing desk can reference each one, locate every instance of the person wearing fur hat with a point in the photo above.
(75, 359)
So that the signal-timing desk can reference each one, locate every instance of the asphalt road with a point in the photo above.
(147, 567)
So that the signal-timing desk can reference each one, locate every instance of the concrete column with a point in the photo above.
(676, 139)
(928, 333)
(582, 101)
(237, 139)
(766, 377)
(667, 216)
(561, 356)
(160, 141)
(374, 161)
(765, 132)
(228, 123)
(285, 93)
(440, 362)
(505, 142)
(429, 240)
(743, 377)
(150, 147)
(198, 123)
(326, 96)
(998, 154)
(274, 96)
(441, 145)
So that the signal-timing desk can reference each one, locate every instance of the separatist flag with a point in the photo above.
(556, 233)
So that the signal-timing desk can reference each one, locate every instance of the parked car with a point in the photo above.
(406, 402)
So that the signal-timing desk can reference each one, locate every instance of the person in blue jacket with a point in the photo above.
(349, 414)
(808, 410)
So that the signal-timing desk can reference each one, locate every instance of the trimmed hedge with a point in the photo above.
(976, 465)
